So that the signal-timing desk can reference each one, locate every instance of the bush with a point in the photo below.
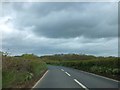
(106, 66)
(18, 71)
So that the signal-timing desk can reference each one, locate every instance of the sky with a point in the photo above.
(46, 28)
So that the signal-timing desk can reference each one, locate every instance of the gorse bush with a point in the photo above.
(19, 72)
(29, 56)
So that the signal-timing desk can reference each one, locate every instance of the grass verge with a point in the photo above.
(106, 67)
(18, 72)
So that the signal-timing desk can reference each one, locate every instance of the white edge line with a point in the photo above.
(80, 84)
(62, 69)
(67, 73)
(40, 79)
(100, 76)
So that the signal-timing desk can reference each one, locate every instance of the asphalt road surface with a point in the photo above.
(64, 77)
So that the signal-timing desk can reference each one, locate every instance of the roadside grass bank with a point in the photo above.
(21, 72)
(104, 66)
(107, 68)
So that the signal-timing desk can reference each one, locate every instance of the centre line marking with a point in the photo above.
(80, 84)
(67, 73)
(62, 69)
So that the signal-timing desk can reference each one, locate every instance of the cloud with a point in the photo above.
(50, 28)
(67, 20)
(44, 46)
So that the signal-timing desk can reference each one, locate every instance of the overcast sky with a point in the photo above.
(54, 28)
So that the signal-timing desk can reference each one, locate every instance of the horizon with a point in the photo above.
(58, 54)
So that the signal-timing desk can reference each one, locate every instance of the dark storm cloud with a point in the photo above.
(68, 20)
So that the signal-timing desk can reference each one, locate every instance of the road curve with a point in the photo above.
(64, 77)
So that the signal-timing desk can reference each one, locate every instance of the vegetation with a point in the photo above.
(21, 71)
(106, 66)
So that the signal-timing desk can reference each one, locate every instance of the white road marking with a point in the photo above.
(67, 73)
(80, 84)
(62, 69)
(40, 79)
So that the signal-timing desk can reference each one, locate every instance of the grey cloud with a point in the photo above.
(50, 28)
(68, 20)
(45, 46)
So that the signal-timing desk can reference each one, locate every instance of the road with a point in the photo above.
(64, 77)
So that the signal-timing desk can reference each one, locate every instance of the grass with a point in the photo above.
(20, 72)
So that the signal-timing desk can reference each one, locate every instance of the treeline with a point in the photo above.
(69, 57)
(21, 71)
(106, 66)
